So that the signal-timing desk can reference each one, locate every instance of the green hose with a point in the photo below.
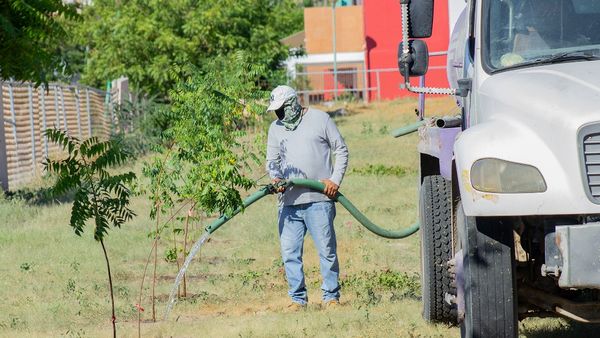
(316, 185)
(264, 191)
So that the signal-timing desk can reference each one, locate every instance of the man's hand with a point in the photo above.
(330, 188)
(275, 181)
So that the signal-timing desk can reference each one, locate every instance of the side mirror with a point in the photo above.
(420, 14)
(418, 61)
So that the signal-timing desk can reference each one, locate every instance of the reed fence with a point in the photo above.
(28, 111)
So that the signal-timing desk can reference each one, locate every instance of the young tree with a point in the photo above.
(100, 197)
(211, 155)
(214, 107)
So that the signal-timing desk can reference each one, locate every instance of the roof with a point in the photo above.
(295, 40)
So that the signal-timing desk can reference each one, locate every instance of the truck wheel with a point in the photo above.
(436, 248)
(489, 279)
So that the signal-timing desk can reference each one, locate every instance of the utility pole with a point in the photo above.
(335, 81)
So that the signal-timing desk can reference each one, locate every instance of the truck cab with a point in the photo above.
(510, 195)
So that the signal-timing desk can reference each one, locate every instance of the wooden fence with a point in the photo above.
(27, 111)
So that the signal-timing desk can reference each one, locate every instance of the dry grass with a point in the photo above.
(53, 283)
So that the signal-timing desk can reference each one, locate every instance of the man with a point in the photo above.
(300, 144)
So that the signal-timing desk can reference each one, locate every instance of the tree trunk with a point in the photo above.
(155, 264)
(112, 297)
(185, 237)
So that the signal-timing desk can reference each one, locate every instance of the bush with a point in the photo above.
(143, 125)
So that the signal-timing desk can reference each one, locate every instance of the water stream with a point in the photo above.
(179, 278)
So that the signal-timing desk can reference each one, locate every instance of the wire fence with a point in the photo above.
(28, 111)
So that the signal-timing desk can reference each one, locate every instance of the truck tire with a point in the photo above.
(489, 278)
(436, 248)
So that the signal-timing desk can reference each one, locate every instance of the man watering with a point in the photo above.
(300, 144)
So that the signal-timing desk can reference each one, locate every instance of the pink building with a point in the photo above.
(367, 38)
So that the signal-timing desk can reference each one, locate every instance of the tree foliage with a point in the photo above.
(156, 43)
(99, 196)
(211, 153)
(30, 34)
(213, 108)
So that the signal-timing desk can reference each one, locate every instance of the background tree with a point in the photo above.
(30, 35)
(155, 43)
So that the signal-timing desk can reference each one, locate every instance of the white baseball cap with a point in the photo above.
(279, 95)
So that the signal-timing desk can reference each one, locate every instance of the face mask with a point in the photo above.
(290, 114)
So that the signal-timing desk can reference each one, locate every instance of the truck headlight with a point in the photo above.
(499, 176)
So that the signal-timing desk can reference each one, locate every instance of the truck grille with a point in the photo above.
(591, 162)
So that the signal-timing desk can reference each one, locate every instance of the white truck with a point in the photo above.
(510, 189)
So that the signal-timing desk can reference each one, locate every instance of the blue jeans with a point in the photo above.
(294, 221)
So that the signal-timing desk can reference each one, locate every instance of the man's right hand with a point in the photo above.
(275, 181)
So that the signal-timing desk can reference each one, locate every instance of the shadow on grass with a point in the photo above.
(563, 329)
(39, 196)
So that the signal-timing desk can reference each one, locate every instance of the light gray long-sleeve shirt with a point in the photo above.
(306, 153)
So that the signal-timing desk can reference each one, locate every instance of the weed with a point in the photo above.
(122, 291)
(79, 333)
(383, 170)
(202, 296)
(71, 285)
(26, 267)
(400, 284)
(277, 263)
(367, 128)
(372, 298)
(171, 255)
(384, 130)
(17, 323)
(241, 262)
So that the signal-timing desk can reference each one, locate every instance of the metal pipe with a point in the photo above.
(335, 82)
(409, 129)
(421, 98)
(449, 122)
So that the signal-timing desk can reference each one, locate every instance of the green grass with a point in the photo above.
(53, 283)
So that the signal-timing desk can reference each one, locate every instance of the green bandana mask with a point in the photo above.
(291, 115)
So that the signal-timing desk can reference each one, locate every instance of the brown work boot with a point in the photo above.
(295, 307)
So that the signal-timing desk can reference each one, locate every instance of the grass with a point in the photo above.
(53, 283)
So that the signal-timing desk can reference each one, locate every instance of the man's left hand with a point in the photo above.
(331, 188)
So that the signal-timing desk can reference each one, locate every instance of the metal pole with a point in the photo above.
(335, 82)
(57, 123)
(62, 104)
(32, 128)
(77, 108)
(89, 115)
(14, 118)
(421, 98)
(365, 91)
(3, 153)
(44, 123)
(378, 86)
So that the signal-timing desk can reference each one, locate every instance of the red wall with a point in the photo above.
(383, 33)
